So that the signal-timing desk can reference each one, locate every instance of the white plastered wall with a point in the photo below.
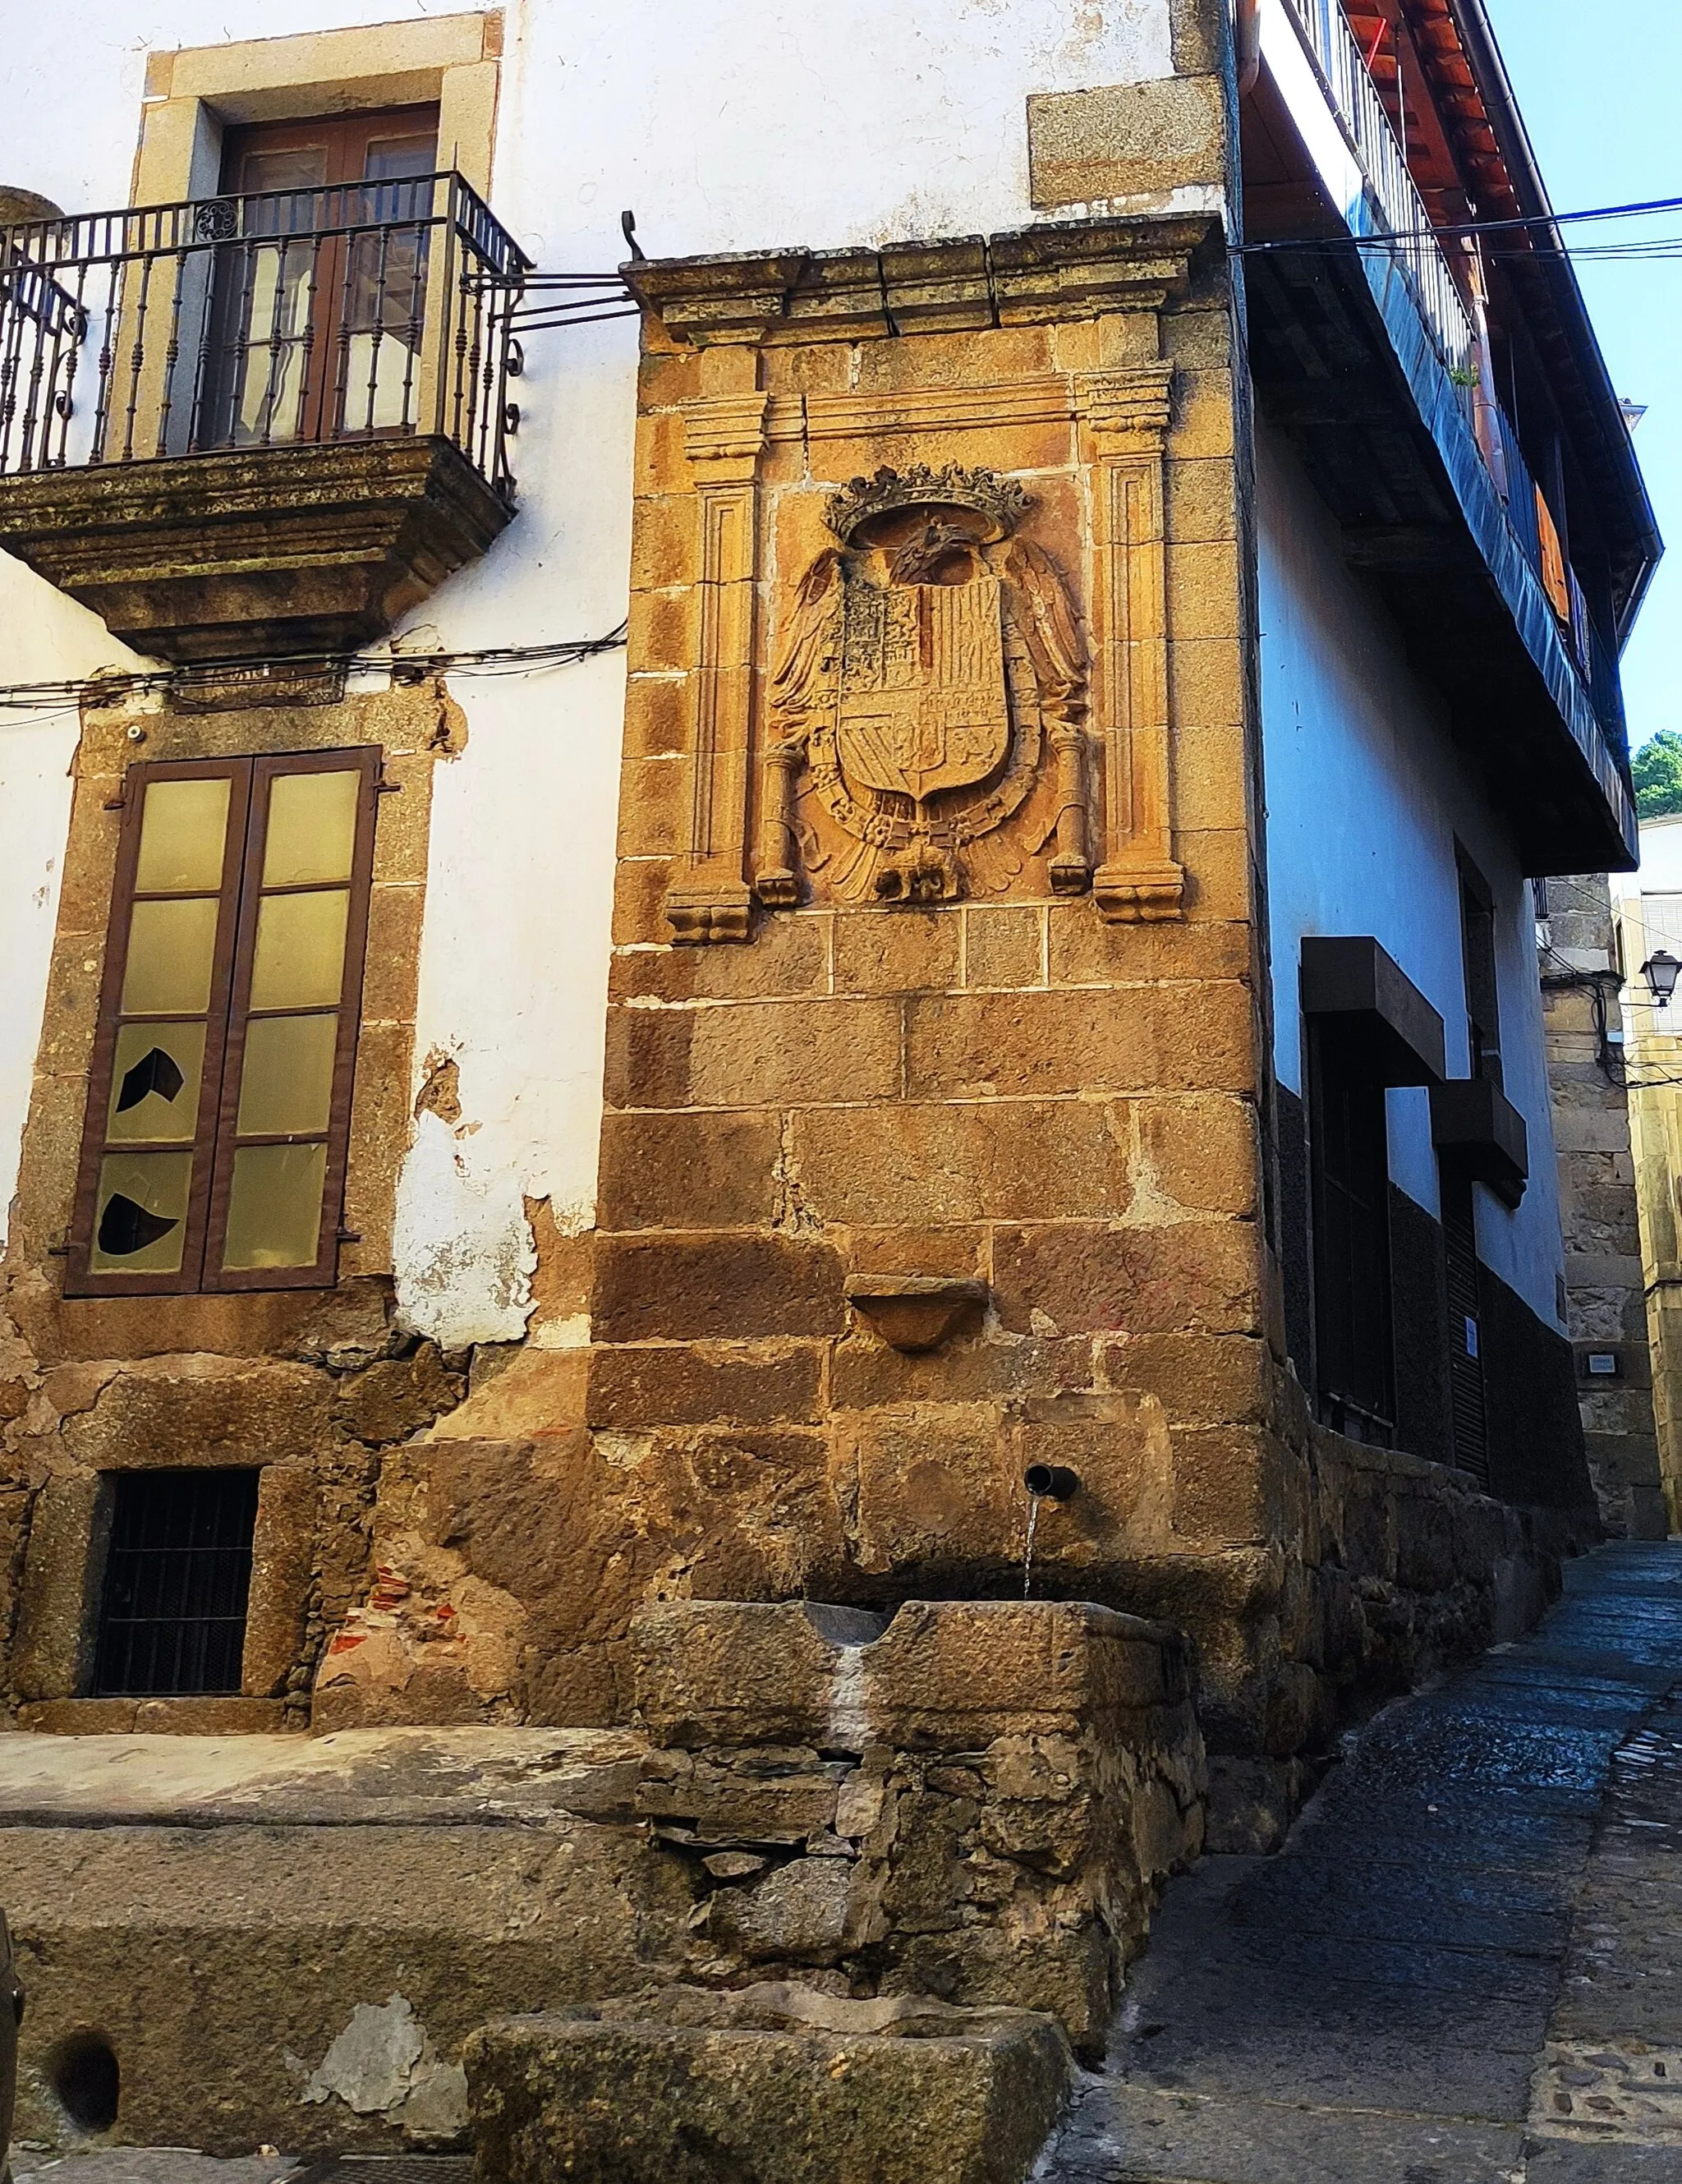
(1365, 799)
(726, 127)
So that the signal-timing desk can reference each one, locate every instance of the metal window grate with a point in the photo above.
(178, 1577)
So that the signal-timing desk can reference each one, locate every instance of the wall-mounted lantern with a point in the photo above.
(1661, 971)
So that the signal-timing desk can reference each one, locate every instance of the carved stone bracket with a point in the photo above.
(916, 1312)
(709, 899)
(1127, 413)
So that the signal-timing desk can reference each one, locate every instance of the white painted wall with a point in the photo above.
(1661, 868)
(783, 122)
(1365, 797)
(44, 637)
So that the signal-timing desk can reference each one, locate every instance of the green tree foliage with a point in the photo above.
(1657, 770)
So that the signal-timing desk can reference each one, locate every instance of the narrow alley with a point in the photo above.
(1466, 1967)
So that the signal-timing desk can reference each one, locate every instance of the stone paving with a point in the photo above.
(1466, 1966)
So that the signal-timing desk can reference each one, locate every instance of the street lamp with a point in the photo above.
(1661, 971)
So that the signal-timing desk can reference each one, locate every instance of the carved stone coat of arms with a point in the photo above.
(929, 659)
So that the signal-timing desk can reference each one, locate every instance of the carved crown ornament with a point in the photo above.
(925, 665)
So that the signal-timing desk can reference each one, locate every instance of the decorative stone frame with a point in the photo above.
(191, 93)
(410, 728)
(1121, 273)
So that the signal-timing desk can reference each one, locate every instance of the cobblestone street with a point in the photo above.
(1466, 1967)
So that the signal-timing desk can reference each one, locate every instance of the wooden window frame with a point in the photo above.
(325, 400)
(215, 1137)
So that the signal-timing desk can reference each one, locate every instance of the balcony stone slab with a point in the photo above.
(258, 551)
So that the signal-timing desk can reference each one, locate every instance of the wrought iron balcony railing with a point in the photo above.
(1391, 212)
(1393, 205)
(282, 319)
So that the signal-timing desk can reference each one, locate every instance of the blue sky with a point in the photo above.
(1598, 88)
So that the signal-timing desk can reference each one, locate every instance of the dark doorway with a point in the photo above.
(317, 321)
(177, 1580)
(1349, 1158)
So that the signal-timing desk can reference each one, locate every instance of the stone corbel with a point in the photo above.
(1127, 413)
(709, 899)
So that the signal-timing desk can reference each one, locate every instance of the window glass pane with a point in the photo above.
(276, 285)
(172, 946)
(155, 1077)
(182, 830)
(299, 959)
(305, 169)
(275, 1207)
(287, 1080)
(312, 827)
(387, 157)
(140, 1213)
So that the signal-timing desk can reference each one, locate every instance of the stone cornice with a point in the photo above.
(1062, 270)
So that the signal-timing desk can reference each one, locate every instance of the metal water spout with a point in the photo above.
(1045, 1482)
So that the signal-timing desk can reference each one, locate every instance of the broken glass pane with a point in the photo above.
(155, 1077)
(140, 1213)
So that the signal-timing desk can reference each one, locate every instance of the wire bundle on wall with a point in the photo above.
(114, 687)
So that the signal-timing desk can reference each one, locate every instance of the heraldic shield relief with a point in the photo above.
(928, 662)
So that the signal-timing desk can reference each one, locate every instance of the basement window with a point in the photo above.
(177, 1582)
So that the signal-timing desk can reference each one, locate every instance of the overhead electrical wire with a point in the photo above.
(1385, 238)
(113, 686)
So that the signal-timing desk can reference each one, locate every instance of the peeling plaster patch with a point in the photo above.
(573, 1216)
(1149, 1204)
(570, 1333)
(436, 2112)
(465, 1250)
(371, 2065)
(440, 1092)
(790, 1215)
(1185, 197)
(383, 2064)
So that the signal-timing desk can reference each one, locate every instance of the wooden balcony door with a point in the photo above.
(316, 321)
